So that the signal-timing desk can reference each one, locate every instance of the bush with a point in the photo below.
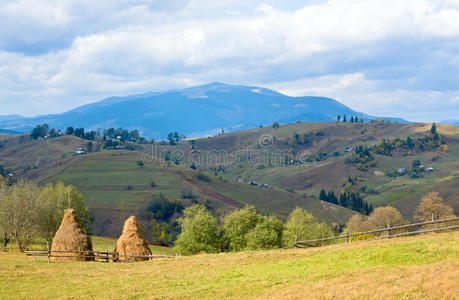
(153, 184)
(203, 177)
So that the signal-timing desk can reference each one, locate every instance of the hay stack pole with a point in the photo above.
(131, 242)
(70, 237)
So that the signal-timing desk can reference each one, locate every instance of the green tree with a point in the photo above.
(69, 130)
(199, 231)
(52, 201)
(416, 163)
(238, 224)
(302, 225)
(266, 235)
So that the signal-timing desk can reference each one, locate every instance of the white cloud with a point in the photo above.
(371, 54)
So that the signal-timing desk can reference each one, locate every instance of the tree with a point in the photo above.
(170, 138)
(160, 233)
(302, 225)
(238, 224)
(416, 163)
(69, 130)
(344, 119)
(39, 131)
(199, 231)
(276, 125)
(338, 119)
(267, 234)
(378, 219)
(5, 230)
(432, 205)
(19, 213)
(322, 195)
(382, 216)
(52, 201)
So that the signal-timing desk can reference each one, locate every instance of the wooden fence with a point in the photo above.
(101, 256)
(387, 230)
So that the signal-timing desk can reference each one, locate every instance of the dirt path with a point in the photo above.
(327, 208)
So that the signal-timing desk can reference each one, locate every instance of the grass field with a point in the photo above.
(421, 267)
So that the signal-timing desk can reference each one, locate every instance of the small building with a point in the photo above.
(348, 149)
(80, 151)
(429, 169)
(253, 182)
(401, 171)
(265, 185)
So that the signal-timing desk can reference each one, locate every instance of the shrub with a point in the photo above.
(203, 177)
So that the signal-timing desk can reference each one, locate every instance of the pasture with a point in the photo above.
(420, 267)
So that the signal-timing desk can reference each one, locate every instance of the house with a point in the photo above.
(253, 182)
(80, 151)
(265, 185)
(348, 149)
(429, 169)
(119, 147)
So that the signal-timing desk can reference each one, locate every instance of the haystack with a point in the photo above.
(70, 237)
(131, 242)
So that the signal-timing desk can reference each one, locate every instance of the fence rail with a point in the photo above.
(104, 256)
(388, 229)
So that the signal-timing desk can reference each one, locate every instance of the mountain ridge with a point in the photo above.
(195, 111)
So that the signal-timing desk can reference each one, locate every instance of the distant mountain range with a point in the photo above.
(450, 121)
(195, 112)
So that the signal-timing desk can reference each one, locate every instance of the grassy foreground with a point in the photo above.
(421, 267)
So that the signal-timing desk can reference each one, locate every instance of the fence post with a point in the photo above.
(433, 224)
(322, 239)
(296, 241)
(347, 236)
(49, 251)
(388, 230)
(82, 251)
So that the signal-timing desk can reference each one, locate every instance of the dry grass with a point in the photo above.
(421, 267)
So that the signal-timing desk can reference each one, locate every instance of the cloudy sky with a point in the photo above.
(382, 57)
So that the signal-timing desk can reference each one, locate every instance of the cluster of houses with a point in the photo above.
(252, 182)
(414, 173)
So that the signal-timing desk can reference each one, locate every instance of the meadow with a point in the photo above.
(420, 267)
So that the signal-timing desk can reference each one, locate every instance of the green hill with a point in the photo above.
(294, 170)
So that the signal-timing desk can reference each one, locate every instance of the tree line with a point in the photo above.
(28, 211)
(246, 229)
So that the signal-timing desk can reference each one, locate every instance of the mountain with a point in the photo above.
(195, 112)
(9, 131)
(450, 122)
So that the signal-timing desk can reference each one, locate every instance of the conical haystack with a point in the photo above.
(131, 242)
(70, 237)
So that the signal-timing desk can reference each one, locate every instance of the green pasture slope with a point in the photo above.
(420, 267)
(115, 186)
(309, 178)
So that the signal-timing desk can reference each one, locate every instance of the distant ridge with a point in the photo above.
(196, 111)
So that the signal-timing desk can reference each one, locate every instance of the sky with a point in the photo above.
(382, 57)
